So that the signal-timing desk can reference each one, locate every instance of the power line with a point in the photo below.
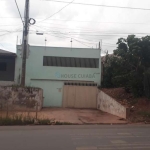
(47, 27)
(99, 5)
(57, 11)
(11, 32)
(100, 34)
(19, 12)
(69, 38)
(83, 43)
(90, 41)
(64, 36)
(8, 25)
(90, 32)
(80, 33)
(10, 17)
(83, 21)
(87, 31)
(79, 21)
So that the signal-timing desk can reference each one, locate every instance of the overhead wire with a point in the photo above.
(19, 30)
(59, 32)
(90, 41)
(83, 21)
(87, 32)
(80, 33)
(79, 41)
(19, 12)
(57, 11)
(69, 38)
(62, 34)
(90, 33)
(79, 21)
(87, 4)
(8, 25)
(83, 43)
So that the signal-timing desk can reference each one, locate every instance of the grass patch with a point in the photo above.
(27, 120)
(62, 123)
(44, 122)
(16, 120)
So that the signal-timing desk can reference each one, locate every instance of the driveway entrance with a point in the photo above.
(78, 116)
(80, 96)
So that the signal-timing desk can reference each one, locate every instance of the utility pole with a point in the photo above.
(25, 42)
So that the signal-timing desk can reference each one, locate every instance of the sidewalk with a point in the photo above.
(79, 116)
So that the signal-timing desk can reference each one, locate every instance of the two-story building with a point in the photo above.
(68, 76)
(7, 67)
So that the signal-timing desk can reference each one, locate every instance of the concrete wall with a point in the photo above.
(17, 98)
(110, 105)
(6, 83)
(7, 75)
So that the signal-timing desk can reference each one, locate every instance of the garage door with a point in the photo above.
(52, 92)
(80, 96)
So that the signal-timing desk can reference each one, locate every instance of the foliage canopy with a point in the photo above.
(129, 66)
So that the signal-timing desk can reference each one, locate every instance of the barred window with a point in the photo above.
(70, 62)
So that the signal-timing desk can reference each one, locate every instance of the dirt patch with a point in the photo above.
(139, 107)
(120, 95)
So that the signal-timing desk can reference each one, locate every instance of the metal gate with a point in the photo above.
(75, 96)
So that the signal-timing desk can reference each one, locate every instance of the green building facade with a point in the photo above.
(51, 67)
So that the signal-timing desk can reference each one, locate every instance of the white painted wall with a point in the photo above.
(110, 105)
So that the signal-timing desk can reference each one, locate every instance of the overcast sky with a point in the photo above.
(86, 25)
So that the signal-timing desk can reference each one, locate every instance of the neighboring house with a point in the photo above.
(68, 76)
(7, 67)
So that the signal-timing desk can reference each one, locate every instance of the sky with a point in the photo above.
(86, 25)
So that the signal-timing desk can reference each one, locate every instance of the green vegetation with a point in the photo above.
(27, 120)
(63, 123)
(16, 120)
(44, 121)
(129, 66)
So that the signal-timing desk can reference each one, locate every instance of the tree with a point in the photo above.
(129, 64)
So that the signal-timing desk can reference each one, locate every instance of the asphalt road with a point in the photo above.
(93, 137)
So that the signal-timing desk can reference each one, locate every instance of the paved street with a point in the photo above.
(93, 137)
